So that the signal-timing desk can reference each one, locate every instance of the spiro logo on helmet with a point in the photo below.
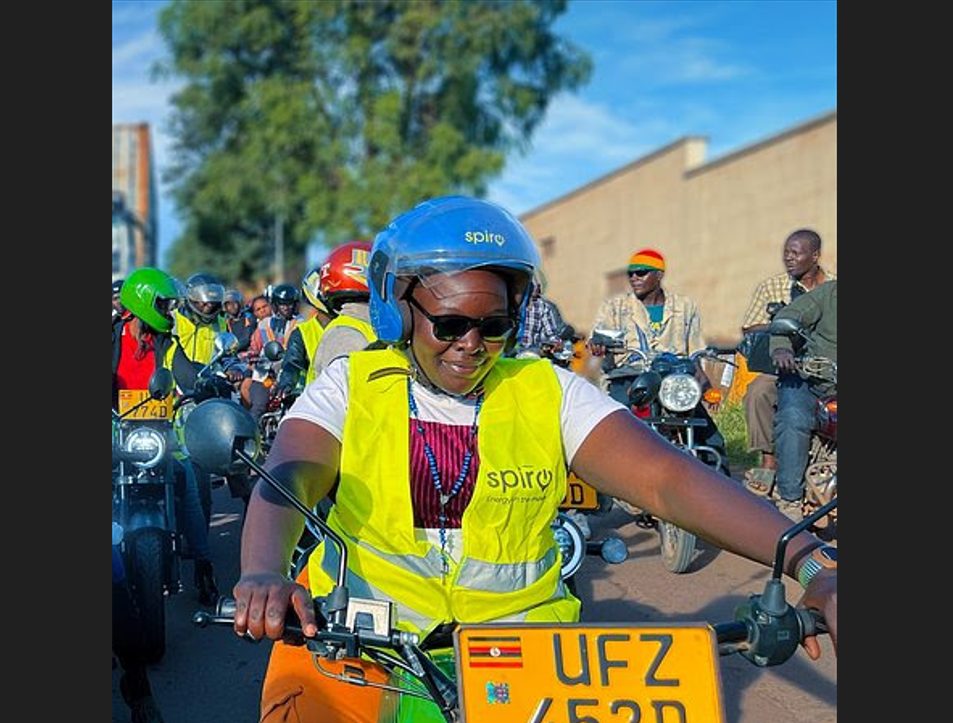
(484, 237)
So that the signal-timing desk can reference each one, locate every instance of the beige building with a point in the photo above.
(720, 224)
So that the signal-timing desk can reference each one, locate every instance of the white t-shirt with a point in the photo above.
(324, 402)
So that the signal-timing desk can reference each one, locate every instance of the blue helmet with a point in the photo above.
(446, 235)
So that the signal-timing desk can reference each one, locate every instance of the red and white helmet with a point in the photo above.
(344, 275)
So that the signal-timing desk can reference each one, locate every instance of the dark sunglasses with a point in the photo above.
(452, 326)
(640, 272)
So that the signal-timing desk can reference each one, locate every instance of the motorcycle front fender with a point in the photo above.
(144, 518)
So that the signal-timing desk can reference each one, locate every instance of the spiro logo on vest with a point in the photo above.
(484, 237)
(515, 483)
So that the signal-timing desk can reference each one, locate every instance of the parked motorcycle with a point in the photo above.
(517, 672)
(143, 502)
(820, 475)
(660, 388)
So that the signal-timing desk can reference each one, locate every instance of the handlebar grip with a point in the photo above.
(812, 622)
(225, 615)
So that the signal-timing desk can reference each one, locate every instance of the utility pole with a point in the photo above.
(279, 270)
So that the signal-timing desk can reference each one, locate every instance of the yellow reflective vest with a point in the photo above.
(362, 326)
(508, 567)
(311, 333)
(197, 341)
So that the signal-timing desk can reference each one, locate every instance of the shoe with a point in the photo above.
(760, 480)
(791, 509)
(205, 581)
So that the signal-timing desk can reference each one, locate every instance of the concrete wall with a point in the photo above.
(721, 225)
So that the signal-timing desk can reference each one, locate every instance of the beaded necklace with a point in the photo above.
(444, 497)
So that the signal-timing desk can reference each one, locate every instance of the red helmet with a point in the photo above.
(344, 275)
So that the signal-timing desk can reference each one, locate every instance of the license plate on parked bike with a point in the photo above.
(579, 495)
(153, 409)
(586, 673)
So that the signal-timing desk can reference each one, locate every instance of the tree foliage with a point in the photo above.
(334, 116)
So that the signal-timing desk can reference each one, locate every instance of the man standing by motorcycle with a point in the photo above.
(798, 393)
(145, 343)
(803, 272)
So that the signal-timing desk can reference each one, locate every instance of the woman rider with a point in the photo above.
(451, 461)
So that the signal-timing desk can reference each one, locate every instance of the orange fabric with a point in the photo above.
(295, 692)
(741, 379)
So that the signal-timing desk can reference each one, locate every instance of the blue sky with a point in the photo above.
(736, 72)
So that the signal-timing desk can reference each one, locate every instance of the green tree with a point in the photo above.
(331, 117)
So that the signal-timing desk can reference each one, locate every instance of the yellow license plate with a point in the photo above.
(579, 495)
(153, 409)
(585, 673)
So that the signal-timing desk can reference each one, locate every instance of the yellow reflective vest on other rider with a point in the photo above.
(198, 342)
(311, 333)
(508, 567)
(362, 326)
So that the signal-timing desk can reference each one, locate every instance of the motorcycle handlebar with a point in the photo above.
(743, 634)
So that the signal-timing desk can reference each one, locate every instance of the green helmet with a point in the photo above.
(151, 295)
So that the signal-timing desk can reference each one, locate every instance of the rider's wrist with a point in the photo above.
(823, 557)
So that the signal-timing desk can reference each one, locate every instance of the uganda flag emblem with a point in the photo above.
(495, 652)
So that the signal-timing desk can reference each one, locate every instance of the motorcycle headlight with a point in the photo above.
(680, 392)
(148, 440)
(571, 543)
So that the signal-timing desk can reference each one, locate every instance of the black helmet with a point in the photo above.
(285, 294)
(205, 288)
(117, 286)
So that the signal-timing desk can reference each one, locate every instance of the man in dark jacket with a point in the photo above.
(798, 393)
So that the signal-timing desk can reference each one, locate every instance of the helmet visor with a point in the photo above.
(207, 293)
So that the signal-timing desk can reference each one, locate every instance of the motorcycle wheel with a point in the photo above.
(146, 554)
(678, 546)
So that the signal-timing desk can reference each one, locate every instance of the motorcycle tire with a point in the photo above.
(677, 546)
(146, 556)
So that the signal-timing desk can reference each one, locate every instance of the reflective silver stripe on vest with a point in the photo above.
(520, 617)
(498, 577)
(429, 566)
(359, 587)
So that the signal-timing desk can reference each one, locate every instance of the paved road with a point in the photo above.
(213, 677)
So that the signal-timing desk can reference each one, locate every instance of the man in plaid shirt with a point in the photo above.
(801, 254)
(541, 324)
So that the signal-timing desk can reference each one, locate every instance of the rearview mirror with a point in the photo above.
(226, 343)
(161, 383)
(784, 327)
(608, 337)
(273, 350)
(215, 429)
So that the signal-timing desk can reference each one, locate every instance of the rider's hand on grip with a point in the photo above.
(261, 605)
(783, 360)
(821, 595)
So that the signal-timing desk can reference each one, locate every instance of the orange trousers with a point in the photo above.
(295, 691)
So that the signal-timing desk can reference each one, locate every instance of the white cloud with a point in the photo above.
(136, 52)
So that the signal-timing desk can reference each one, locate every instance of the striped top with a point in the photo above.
(449, 443)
